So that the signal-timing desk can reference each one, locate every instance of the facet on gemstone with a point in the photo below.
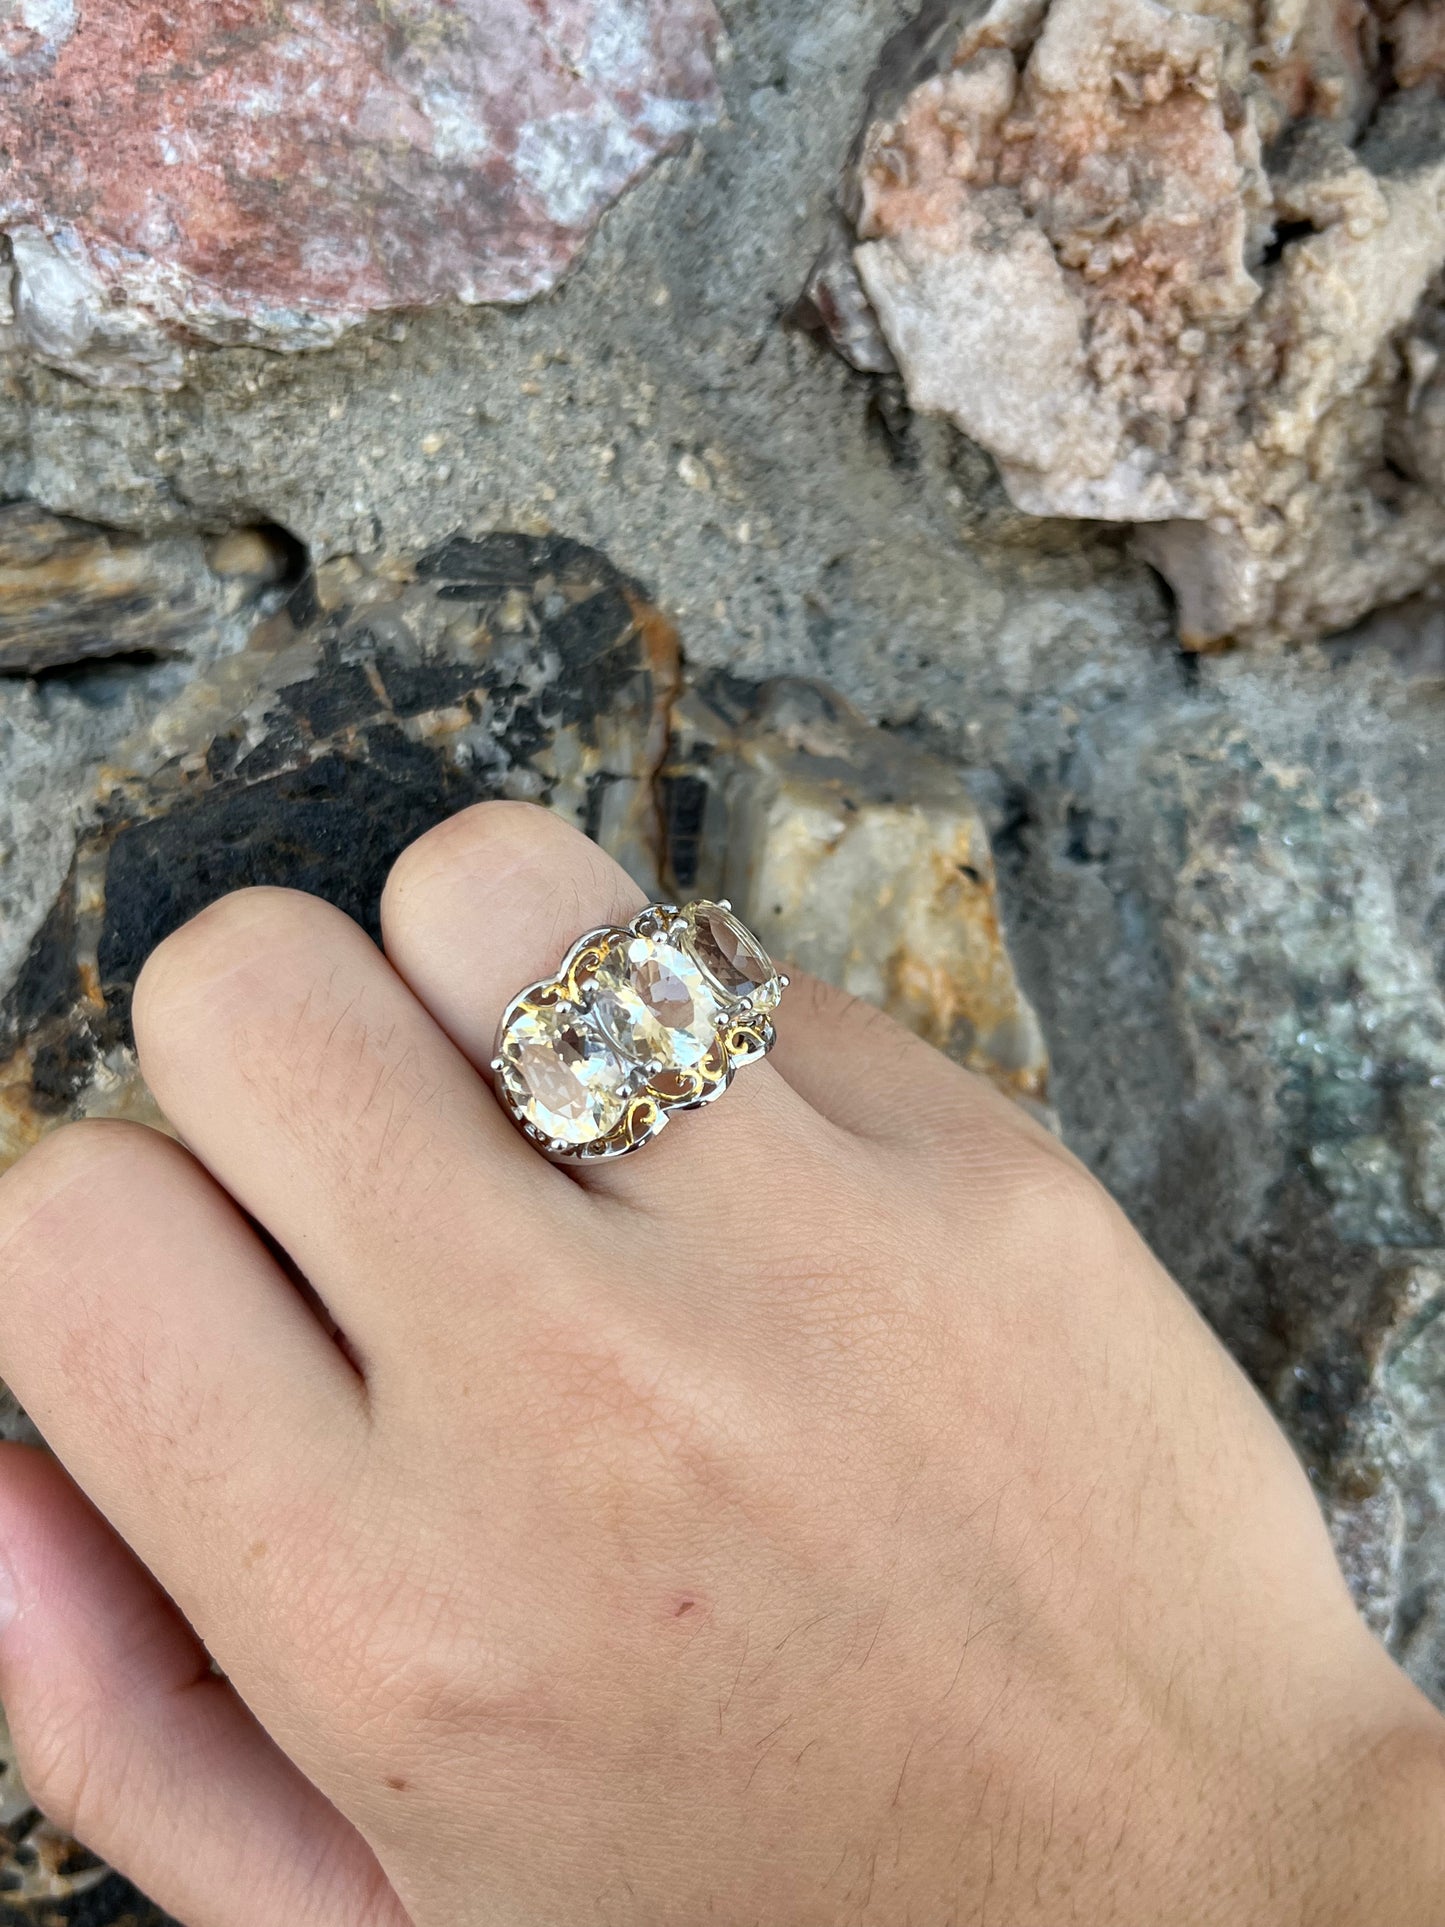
(654, 1004)
(565, 1077)
(730, 955)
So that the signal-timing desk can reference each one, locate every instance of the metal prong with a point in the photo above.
(724, 903)
(783, 980)
(496, 1063)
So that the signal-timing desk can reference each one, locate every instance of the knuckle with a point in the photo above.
(1058, 1198)
(600, 1398)
(404, 1671)
(422, 1701)
(491, 835)
(233, 931)
(87, 1157)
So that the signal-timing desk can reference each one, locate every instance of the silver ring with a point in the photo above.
(639, 1020)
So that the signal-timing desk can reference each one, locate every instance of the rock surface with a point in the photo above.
(275, 173)
(1177, 268)
(375, 705)
(1256, 876)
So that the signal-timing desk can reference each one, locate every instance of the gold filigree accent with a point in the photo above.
(748, 1041)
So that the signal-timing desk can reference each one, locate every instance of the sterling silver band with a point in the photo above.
(640, 1020)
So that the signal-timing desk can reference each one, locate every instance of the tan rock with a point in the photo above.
(859, 859)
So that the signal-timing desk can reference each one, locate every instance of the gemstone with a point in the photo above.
(655, 1004)
(730, 955)
(564, 1075)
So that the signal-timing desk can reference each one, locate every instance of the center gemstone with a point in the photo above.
(655, 1004)
(568, 1080)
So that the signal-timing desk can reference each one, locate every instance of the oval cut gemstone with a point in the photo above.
(568, 1079)
(731, 956)
(655, 1004)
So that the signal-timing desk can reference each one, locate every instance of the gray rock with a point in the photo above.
(1253, 1056)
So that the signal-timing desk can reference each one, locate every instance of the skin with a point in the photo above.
(833, 1516)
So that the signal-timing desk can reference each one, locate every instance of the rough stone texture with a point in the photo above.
(1177, 268)
(1254, 868)
(797, 519)
(1314, 1024)
(240, 171)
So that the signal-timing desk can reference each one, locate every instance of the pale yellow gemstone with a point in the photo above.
(730, 955)
(567, 1079)
(655, 1004)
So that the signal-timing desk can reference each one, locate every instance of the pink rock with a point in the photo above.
(271, 171)
(1175, 264)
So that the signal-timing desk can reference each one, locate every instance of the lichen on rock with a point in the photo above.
(1178, 268)
(275, 173)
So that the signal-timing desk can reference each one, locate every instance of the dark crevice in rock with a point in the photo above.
(1013, 833)
(292, 558)
(88, 669)
(1285, 234)
(890, 420)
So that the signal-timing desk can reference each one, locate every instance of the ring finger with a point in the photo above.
(491, 901)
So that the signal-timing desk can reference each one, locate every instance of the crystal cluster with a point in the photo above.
(638, 1022)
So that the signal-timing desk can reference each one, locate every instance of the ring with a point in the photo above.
(640, 1020)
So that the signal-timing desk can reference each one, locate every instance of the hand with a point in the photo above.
(832, 1515)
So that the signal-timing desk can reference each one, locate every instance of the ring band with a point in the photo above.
(640, 1020)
